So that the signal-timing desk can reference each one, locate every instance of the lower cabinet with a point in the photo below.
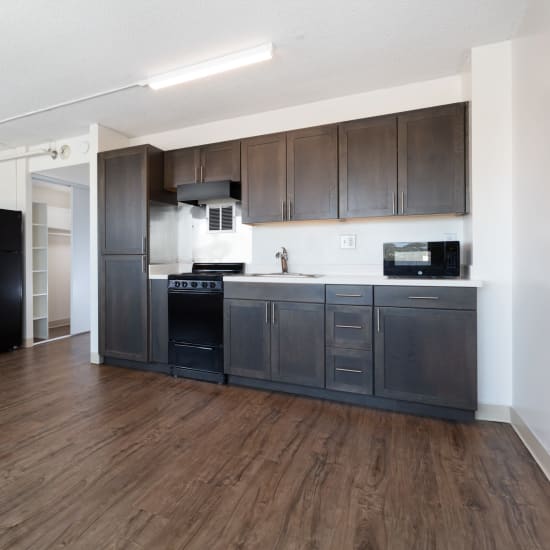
(298, 343)
(124, 307)
(275, 340)
(246, 338)
(426, 356)
(349, 370)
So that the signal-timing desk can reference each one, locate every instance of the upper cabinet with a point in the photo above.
(263, 162)
(312, 173)
(213, 162)
(368, 167)
(128, 179)
(431, 160)
(394, 165)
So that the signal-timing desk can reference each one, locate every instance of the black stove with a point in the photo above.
(195, 320)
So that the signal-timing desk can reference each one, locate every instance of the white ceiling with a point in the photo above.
(52, 52)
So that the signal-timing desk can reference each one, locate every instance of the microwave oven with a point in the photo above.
(422, 259)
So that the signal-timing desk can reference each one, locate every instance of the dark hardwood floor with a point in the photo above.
(102, 457)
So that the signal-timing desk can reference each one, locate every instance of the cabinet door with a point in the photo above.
(158, 325)
(427, 356)
(123, 312)
(221, 161)
(246, 338)
(263, 164)
(298, 343)
(181, 166)
(312, 174)
(432, 161)
(123, 201)
(368, 167)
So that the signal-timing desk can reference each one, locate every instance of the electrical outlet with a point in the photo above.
(347, 241)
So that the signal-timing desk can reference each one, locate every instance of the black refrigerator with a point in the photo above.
(11, 279)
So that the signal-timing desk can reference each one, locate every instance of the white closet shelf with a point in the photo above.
(40, 294)
(40, 317)
(39, 247)
(39, 270)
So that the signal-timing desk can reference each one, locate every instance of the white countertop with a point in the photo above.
(353, 280)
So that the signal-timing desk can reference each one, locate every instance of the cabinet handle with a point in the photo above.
(393, 202)
(282, 211)
(349, 326)
(267, 313)
(144, 245)
(196, 179)
(423, 297)
(377, 319)
(202, 174)
(348, 370)
(273, 313)
(144, 264)
(402, 202)
(349, 295)
(289, 209)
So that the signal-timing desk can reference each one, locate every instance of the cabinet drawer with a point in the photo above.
(433, 297)
(277, 292)
(358, 295)
(349, 326)
(349, 370)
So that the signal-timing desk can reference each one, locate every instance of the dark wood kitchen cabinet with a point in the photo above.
(297, 343)
(128, 180)
(425, 354)
(123, 198)
(212, 162)
(158, 320)
(124, 307)
(275, 332)
(432, 161)
(263, 164)
(312, 173)
(246, 338)
(368, 167)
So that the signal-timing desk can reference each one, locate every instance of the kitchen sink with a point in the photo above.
(286, 275)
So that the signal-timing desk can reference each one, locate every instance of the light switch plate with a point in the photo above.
(347, 241)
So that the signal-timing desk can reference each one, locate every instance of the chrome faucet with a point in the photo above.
(283, 255)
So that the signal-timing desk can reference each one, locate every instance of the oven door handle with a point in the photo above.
(205, 348)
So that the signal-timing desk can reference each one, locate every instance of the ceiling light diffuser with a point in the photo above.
(212, 66)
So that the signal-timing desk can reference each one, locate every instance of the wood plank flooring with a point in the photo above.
(95, 457)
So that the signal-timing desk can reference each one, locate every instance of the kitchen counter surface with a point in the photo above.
(355, 279)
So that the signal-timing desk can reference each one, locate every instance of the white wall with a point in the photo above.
(531, 226)
(314, 247)
(8, 185)
(491, 205)
(59, 278)
(80, 254)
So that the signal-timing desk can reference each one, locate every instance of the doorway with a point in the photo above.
(60, 252)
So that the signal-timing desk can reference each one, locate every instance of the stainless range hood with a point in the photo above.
(201, 193)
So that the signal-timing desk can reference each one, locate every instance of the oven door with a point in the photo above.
(195, 317)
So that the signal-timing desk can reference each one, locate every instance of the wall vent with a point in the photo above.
(221, 218)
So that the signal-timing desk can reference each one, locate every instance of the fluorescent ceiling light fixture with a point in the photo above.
(212, 66)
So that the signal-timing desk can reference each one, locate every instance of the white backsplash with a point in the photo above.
(313, 247)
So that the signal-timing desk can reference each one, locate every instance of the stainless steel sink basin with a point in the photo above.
(286, 275)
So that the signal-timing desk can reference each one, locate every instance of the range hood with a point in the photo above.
(201, 193)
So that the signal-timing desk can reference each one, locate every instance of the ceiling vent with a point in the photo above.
(221, 218)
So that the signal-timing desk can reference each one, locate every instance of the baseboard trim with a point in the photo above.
(530, 440)
(493, 413)
(28, 342)
(59, 323)
(96, 358)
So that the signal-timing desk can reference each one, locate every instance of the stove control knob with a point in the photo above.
(176, 284)
(212, 285)
(194, 284)
(184, 284)
(204, 285)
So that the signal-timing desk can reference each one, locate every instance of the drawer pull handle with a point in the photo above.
(349, 326)
(423, 297)
(349, 295)
(349, 370)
